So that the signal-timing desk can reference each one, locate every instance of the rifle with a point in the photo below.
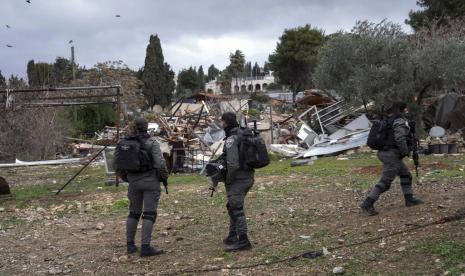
(415, 146)
(213, 188)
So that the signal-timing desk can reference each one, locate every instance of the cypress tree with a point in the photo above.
(31, 73)
(154, 75)
(201, 76)
(213, 72)
(2, 80)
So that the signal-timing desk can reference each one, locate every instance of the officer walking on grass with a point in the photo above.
(238, 182)
(397, 146)
(144, 188)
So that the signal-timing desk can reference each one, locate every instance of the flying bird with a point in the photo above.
(117, 15)
(28, 1)
(71, 41)
(9, 46)
(8, 26)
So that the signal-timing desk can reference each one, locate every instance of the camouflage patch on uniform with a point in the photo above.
(229, 142)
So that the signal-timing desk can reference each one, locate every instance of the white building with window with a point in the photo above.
(251, 84)
(213, 87)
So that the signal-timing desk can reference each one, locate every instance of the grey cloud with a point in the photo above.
(41, 30)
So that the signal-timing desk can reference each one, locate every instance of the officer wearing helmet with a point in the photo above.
(144, 191)
(238, 182)
(398, 146)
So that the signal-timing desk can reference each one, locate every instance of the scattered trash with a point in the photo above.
(338, 270)
(325, 251)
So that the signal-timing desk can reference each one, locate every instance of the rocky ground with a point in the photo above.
(290, 210)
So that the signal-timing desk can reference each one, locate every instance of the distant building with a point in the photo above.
(251, 84)
(213, 87)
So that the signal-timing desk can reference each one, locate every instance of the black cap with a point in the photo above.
(230, 119)
(141, 124)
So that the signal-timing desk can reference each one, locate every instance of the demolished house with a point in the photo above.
(444, 121)
(191, 136)
(446, 111)
(326, 127)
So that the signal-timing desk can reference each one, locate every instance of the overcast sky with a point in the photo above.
(192, 32)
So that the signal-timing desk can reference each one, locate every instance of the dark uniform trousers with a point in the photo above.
(392, 166)
(236, 192)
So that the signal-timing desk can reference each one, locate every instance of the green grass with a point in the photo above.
(121, 204)
(324, 171)
(452, 254)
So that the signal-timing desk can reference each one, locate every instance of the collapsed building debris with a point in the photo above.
(191, 136)
(331, 128)
(446, 111)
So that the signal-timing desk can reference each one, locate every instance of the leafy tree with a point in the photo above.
(213, 72)
(154, 75)
(256, 71)
(224, 79)
(31, 74)
(437, 12)
(94, 117)
(380, 63)
(116, 73)
(237, 63)
(40, 74)
(91, 118)
(63, 71)
(248, 69)
(201, 76)
(170, 85)
(2, 80)
(15, 82)
(188, 83)
(266, 68)
(295, 57)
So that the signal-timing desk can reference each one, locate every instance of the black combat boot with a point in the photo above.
(231, 238)
(368, 208)
(412, 201)
(242, 243)
(132, 248)
(147, 251)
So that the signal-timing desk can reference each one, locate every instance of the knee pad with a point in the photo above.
(134, 215)
(150, 216)
(383, 187)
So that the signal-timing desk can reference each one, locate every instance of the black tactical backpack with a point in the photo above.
(252, 150)
(133, 156)
(381, 134)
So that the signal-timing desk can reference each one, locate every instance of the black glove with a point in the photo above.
(123, 175)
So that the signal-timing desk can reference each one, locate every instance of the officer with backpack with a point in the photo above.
(392, 138)
(139, 160)
(238, 183)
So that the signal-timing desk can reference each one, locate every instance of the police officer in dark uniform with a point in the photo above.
(398, 146)
(238, 182)
(144, 193)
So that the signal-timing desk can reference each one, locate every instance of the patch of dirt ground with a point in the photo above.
(84, 234)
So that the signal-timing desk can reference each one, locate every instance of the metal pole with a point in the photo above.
(271, 120)
(56, 89)
(85, 166)
(118, 114)
(73, 64)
